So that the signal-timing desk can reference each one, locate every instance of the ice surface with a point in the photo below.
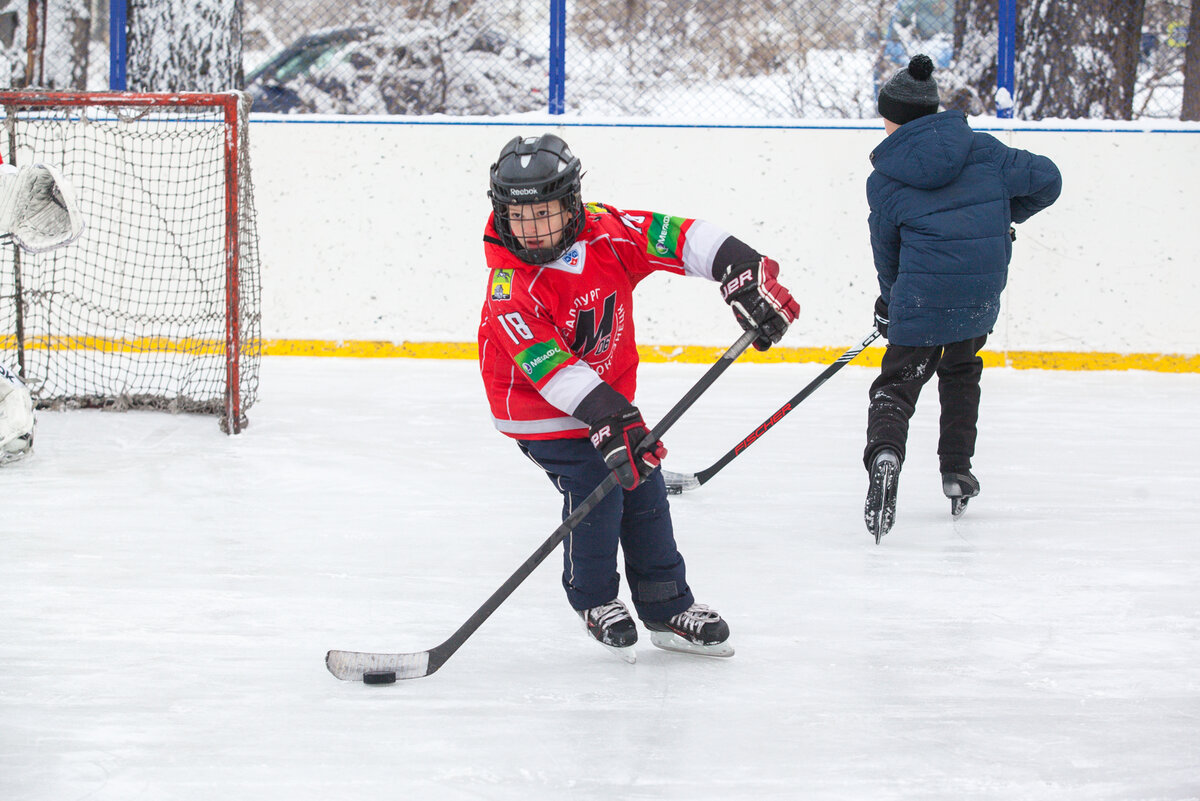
(167, 596)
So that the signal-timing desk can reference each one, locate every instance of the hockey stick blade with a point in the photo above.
(354, 665)
(351, 665)
(678, 483)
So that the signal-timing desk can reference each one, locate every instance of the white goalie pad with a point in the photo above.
(16, 418)
(38, 208)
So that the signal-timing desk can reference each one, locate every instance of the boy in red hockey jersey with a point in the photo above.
(558, 358)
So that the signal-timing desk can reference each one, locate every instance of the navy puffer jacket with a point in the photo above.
(942, 198)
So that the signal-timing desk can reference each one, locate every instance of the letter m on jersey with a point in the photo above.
(590, 337)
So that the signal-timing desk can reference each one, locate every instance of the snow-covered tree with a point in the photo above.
(12, 44)
(60, 48)
(976, 37)
(1077, 58)
(184, 45)
(1191, 67)
(1074, 59)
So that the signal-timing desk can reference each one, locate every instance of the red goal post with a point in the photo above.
(158, 304)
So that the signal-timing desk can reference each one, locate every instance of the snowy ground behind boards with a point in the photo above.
(168, 594)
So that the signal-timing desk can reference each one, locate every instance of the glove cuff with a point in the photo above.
(601, 402)
(731, 253)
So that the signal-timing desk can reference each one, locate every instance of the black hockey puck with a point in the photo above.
(379, 677)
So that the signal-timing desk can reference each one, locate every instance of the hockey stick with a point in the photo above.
(385, 668)
(680, 482)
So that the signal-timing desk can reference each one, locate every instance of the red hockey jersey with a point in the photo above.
(550, 333)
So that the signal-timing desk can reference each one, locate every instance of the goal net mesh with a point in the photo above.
(157, 305)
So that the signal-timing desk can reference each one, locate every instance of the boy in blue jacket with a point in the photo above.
(943, 199)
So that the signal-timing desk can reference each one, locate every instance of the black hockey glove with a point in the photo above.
(619, 438)
(759, 302)
(881, 316)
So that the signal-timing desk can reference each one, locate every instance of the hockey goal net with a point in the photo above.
(157, 305)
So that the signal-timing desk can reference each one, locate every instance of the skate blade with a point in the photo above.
(879, 522)
(958, 506)
(878, 525)
(669, 641)
(626, 654)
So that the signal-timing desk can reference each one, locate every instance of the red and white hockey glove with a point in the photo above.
(759, 302)
(620, 439)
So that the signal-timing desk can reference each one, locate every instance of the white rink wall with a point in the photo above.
(371, 228)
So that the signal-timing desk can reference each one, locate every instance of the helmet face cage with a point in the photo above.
(535, 184)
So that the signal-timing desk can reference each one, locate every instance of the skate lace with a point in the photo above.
(605, 615)
(694, 618)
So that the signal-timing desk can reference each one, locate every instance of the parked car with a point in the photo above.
(400, 69)
(272, 86)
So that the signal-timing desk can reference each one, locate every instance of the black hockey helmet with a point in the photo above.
(537, 169)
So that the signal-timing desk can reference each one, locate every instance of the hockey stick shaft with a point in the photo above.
(351, 665)
(695, 480)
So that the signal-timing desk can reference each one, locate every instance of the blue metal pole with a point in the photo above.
(1006, 58)
(558, 56)
(118, 45)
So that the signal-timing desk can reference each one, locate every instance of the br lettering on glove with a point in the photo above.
(619, 437)
(759, 302)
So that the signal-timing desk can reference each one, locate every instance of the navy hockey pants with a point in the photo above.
(894, 393)
(639, 520)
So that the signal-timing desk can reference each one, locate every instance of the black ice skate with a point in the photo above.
(879, 512)
(613, 627)
(959, 488)
(696, 630)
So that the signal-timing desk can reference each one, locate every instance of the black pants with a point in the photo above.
(894, 395)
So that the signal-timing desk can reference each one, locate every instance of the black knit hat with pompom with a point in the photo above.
(911, 93)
